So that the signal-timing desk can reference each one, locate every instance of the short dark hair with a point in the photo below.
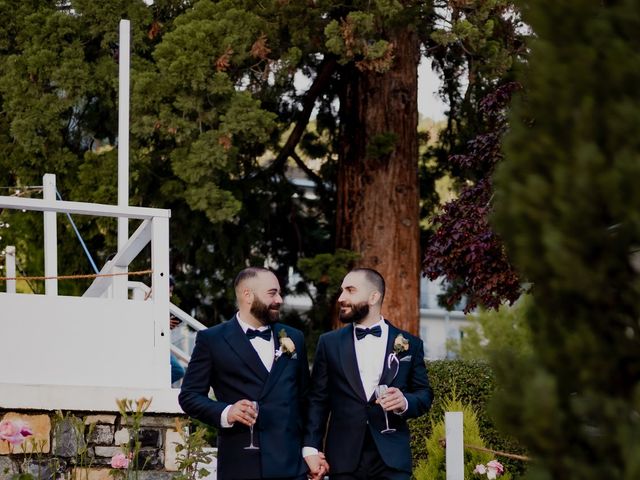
(246, 273)
(375, 278)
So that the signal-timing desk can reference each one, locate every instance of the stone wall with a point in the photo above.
(80, 445)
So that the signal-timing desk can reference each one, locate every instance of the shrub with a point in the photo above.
(473, 384)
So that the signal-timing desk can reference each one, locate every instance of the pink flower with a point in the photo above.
(494, 469)
(119, 460)
(14, 431)
(497, 465)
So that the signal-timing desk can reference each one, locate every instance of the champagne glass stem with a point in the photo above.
(386, 419)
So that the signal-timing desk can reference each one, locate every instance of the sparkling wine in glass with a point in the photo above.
(251, 445)
(381, 391)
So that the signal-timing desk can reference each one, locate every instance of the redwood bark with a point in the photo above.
(378, 195)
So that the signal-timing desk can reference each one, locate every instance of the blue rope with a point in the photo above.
(84, 246)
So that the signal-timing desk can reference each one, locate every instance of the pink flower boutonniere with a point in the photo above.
(286, 345)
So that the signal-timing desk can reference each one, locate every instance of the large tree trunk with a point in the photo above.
(378, 190)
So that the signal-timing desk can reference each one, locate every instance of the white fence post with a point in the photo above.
(10, 267)
(50, 236)
(454, 446)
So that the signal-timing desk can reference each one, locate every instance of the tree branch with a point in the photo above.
(326, 70)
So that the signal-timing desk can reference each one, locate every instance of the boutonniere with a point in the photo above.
(400, 344)
(286, 344)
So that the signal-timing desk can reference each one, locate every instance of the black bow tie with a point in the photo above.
(363, 332)
(264, 334)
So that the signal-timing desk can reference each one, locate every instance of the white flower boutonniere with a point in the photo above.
(286, 345)
(400, 344)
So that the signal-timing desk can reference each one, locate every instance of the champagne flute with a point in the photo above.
(251, 445)
(381, 391)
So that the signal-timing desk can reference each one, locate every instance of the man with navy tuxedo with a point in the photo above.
(366, 437)
(252, 358)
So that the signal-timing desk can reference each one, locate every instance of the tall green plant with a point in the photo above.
(192, 453)
(568, 207)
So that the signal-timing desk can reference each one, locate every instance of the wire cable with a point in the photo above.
(75, 229)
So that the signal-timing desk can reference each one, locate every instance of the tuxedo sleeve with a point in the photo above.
(419, 394)
(194, 394)
(318, 410)
(303, 380)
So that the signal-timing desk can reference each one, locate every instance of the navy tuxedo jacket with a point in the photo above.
(337, 395)
(224, 359)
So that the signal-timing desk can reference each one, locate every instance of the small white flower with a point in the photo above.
(400, 344)
(480, 469)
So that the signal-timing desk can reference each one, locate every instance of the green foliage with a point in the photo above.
(473, 384)
(132, 413)
(495, 331)
(356, 37)
(569, 211)
(434, 467)
(192, 453)
(382, 145)
(325, 273)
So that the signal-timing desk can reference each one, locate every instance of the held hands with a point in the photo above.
(318, 466)
(393, 401)
(242, 411)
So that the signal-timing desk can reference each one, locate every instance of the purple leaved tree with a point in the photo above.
(464, 248)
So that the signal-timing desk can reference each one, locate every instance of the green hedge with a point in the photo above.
(473, 383)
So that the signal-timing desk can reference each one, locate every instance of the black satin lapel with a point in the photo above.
(278, 364)
(350, 362)
(241, 345)
(388, 374)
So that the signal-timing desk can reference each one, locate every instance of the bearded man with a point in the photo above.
(259, 373)
(368, 378)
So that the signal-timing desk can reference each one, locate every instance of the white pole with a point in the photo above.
(454, 445)
(120, 282)
(50, 236)
(123, 128)
(10, 270)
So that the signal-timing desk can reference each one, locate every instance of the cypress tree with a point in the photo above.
(568, 208)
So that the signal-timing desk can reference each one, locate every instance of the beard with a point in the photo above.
(266, 314)
(356, 314)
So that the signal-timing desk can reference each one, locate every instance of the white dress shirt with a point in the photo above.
(370, 354)
(265, 350)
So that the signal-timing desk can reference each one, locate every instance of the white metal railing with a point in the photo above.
(100, 339)
(154, 229)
